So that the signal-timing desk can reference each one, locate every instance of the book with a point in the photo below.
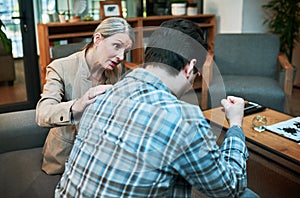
(288, 128)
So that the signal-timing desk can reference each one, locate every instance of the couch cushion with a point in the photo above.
(247, 54)
(18, 130)
(21, 175)
(265, 91)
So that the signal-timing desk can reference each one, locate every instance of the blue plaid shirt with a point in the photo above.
(139, 140)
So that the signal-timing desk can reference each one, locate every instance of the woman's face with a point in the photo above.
(110, 51)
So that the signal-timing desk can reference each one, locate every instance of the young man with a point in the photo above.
(139, 140)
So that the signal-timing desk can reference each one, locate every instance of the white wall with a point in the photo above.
(237, 16)
(254, 16)
(228, 14)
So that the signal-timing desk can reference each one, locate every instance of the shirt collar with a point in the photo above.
(143, 75)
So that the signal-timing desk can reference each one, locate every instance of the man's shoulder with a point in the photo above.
(191, 111)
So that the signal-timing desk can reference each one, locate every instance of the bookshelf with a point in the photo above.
(61, 33)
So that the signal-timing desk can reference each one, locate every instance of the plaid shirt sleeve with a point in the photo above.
(216, 172)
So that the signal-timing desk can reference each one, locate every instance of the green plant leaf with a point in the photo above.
(284, 20)
(5, 41)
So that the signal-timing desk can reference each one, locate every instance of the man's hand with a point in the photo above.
(234, 110)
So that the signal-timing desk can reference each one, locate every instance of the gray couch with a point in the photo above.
(21, 143)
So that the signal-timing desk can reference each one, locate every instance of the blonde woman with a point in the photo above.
(73, 82)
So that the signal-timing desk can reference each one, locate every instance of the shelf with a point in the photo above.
(74, 31)
(71, 35)
(80, 23)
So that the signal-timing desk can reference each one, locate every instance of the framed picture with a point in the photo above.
(110, 9)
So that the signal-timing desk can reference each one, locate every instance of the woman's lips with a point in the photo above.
(113, 64)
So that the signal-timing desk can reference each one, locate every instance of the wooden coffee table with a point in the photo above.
(274, 161)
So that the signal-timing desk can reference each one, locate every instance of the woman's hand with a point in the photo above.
(88, 98)
(234, 110)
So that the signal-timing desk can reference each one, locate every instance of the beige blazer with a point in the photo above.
(66, 81)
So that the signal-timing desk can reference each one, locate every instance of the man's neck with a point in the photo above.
(178, 84)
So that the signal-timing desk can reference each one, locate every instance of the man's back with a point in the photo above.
(132, 145)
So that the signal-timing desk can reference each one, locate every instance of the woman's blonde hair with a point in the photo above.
(111, 26)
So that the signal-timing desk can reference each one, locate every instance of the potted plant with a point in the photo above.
(284, 20)
(5, 41)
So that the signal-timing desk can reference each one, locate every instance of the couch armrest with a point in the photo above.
(18, 130)
(288, 74)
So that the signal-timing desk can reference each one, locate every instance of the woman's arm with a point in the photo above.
(53, 109)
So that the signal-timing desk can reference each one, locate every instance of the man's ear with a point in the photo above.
(188, 69)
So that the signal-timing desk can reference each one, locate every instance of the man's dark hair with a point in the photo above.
(175, 43)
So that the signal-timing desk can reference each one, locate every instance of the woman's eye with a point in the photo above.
(117, 46)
